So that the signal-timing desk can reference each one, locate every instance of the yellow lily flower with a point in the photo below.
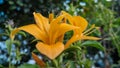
(79, 34)
(50, 31)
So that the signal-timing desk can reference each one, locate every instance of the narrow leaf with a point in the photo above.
(93, 44)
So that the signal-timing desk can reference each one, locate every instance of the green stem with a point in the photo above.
(10, 65)
(55, 63)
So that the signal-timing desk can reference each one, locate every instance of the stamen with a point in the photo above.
(92, 27)
(51, 17)
(90, 32)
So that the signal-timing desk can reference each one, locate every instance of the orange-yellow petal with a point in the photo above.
(63, 28)
(38, 20)
(68, 17)
(32, 29)
(66, 27)
(71, 40)
(80, 22)
(38, 60)
(54, 25)
(42, 22)
(51, 51)
(60, 38)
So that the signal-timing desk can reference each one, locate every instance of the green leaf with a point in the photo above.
(9, 45)
(60, 59)
(70, 64)
(18, 55)
(73, 48)
(87, 63)
(55, 62)
(29, 66)
(16, 42)
(22, 33)
(93, 44)
(1, 66)
(35, 50)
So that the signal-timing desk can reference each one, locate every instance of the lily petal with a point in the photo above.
(80, 22)
(54, 25)
(38, 20)
(32, 29)
(51, 51)
(42, 22)
(68, 16)
(71, 40)
(38, 60)
(63, 28)
(60, 38)
(66, 27)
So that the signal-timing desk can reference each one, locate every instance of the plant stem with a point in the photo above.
(10, 65)
(55, 63)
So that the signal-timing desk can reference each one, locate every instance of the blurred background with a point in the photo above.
(103, 13)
